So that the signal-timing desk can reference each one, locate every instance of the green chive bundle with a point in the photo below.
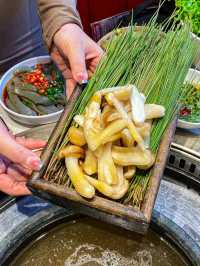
(157, 63)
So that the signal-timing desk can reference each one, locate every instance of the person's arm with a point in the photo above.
(54, 14)
(75, 54)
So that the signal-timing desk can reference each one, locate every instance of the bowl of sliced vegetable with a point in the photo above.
(189, 116)
(32, 92)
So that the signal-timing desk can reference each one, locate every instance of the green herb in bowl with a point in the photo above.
(190, 110)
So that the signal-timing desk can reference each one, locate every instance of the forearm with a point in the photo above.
(54, 14)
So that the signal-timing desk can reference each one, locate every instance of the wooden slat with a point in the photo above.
(106, 205)
(157, 171)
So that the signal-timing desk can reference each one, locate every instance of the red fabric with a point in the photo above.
(94, 10)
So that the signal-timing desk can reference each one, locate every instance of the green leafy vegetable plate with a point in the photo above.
(189, 117)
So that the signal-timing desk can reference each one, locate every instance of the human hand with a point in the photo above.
(75, 54)
(17, 161)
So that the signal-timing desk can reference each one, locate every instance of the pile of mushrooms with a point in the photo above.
(109, 141)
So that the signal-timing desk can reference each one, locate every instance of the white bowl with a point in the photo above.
(192, 76)
(197, 58)
(25, 119)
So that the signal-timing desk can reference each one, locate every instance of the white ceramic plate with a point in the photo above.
(192, 76)
(25, 119)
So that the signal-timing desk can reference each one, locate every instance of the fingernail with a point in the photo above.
(34, 163)
(81, 77)
(83, 82)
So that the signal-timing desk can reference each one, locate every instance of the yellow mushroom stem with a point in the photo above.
(113, 192)
(112, 138)
(107, 171)
(114, 115)
(92, 123)
(79, 119)
(90, 163)
(127, 140)
(111, 130)
(76, 136)
(98, 151)
(145, 129)
(130, 172)
(106, 113)
(78, 179)
(125, 156)
(147, 166)
(71, 151)
(153, 111)
(120, 108)
(95, 140)
(121, 93)
(124, 94)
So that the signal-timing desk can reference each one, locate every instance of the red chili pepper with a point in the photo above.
(185, 111)
(37, 78)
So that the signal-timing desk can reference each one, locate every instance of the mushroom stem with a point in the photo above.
(90, 163)
(113, 192)
(126, 156)
(79, 180)
(107, 171)
(134, 133)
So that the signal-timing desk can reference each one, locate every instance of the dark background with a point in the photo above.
(95, 10)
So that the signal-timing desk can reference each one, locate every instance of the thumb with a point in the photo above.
(76, 57)
(17, 153)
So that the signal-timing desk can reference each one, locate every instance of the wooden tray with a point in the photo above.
(101, 208)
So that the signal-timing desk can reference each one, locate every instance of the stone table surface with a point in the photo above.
(177, 211)
(175, 204)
